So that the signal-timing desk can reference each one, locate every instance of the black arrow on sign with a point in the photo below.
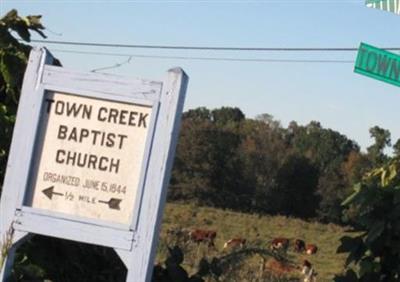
(113, 203)
(49, 192)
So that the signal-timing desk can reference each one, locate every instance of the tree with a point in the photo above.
(226, 160)
(396, 148)
(191, 175)
(325, 147)
(206, 168)
(262, 151)
(13, 58)
(227, 115)
(376, 151)
(297, 181)
(332, 189)
(198, 114)
(327, 150)
(269, 120)
(376, 250)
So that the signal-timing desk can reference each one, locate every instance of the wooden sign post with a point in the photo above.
(90, 161)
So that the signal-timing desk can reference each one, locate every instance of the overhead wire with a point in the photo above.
(227, 59)
(208, 48)
(196, 1)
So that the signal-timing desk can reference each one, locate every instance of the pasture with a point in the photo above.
(259, 231)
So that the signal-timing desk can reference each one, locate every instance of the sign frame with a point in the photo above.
(136, 242)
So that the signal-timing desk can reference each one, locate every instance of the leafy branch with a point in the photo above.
(13, 59)
(375, 252)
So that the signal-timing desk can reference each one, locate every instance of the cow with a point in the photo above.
(311, 249)
(235, 243)
(299, 246)
(200, 235)
(308, 271)
(280, 244)
(279, 268)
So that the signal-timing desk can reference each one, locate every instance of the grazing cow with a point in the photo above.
(280, 244)
(299, 246)
(201, 235)
(311, 249)
(308, 271)
(279, 268)
(235, 243)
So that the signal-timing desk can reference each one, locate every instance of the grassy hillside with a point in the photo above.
(259, 231)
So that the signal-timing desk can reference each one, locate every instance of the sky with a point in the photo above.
(328, 92)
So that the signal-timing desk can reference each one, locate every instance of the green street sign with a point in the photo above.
(385, 5)
(378, 64)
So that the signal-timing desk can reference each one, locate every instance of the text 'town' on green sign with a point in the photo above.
(378, 64)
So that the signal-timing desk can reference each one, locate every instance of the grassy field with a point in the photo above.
(259, 231)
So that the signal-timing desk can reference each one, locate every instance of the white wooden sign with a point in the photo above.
(90, 160)
(91, 157)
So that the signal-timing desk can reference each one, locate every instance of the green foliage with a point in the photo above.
(297, 181)
(396, 148)
(382, 139)
(227, 115)
(376, 202)
(325, 147)
(13, 59)
(206, 162)
(50, 259)
(226, 160)
(329, 151)
(172, 271)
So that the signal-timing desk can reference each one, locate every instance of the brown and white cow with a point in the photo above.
(235, 243)
(280, 244)
(203, 236)
(308, 271)
(311, 249)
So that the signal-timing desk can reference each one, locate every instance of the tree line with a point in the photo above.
(229, 161)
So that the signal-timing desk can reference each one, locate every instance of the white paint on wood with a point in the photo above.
(157, 180)
(19, 154)
(66, 229)
(103, 83)
(29, 205)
